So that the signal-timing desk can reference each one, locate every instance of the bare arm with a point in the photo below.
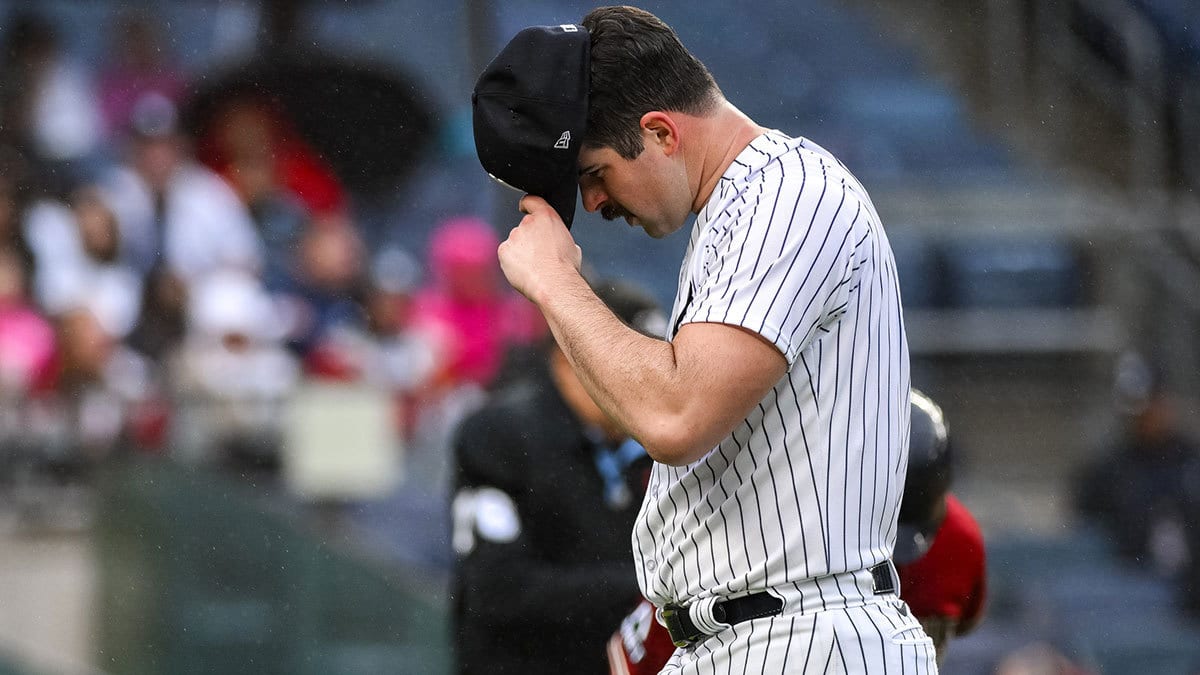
(679, 398)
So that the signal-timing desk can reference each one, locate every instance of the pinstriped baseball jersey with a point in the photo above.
(788, 246)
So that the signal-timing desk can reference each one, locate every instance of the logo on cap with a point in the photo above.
(563, 141)
(569, 28)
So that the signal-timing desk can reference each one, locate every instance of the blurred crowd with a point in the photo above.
(166, 291)
(1143, 490)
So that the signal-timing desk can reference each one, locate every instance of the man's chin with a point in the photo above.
(658, 230)
(648, 228)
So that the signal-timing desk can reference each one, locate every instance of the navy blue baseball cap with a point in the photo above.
(530, 113)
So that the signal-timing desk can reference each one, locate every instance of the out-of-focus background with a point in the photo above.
(247, 289)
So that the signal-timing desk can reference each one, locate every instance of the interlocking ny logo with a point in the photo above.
(563, 141)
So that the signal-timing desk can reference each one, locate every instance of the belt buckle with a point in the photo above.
(679, 625)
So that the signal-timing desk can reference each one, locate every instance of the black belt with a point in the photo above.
(684, 631)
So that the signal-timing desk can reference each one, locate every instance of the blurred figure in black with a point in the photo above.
(1137, 490)
(547, 489)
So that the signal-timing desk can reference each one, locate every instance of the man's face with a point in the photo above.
(650, 191)
(156, 159)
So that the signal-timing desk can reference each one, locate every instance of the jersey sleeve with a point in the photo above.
(787, 263)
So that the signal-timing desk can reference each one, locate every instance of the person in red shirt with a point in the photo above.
(939, 555)
(255, 146)
(939, 547)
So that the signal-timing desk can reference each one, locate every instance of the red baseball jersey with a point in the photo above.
(950, 580)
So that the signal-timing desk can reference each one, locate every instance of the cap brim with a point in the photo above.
(561, 198)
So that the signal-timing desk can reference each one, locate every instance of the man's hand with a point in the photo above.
(539, 250)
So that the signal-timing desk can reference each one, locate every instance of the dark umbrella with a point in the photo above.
(370, 123)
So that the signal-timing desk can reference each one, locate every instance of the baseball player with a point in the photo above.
(939, 548)
(939, 555)
(777, 410)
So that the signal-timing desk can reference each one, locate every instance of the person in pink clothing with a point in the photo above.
(467, 302)
(27, 345)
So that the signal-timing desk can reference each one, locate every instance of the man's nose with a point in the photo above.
(593, 197)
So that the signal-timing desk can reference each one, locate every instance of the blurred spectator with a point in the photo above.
(1138, 489)
(357, 328)
(79, 264)
(241, 147)
(468, 302)
(101, 389)
(27, 366)
(231, 376)
(478, 322)
(162, 323)
(47, 103)
(139, 63)
(15, 195)
(323, 295)
(27, 346)
(385, 349)
(406, 357)
(252, 143)
(172, 212)
(27, 342)
(546, 492)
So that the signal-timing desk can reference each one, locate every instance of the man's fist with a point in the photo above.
(538, 250)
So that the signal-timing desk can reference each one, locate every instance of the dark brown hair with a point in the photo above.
(638, 65)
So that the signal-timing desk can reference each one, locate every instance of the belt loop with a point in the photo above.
(884, 578)
(702, 615)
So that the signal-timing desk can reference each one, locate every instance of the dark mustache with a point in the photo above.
(613, 212)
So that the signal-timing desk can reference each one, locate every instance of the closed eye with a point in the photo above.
(594, 173)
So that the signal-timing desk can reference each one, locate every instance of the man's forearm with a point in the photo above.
(635, 379)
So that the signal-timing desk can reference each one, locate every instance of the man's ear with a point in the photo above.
(659, 127)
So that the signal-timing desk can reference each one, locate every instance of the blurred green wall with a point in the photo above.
(198, 574)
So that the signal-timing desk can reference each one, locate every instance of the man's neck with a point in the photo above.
(731, 131)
